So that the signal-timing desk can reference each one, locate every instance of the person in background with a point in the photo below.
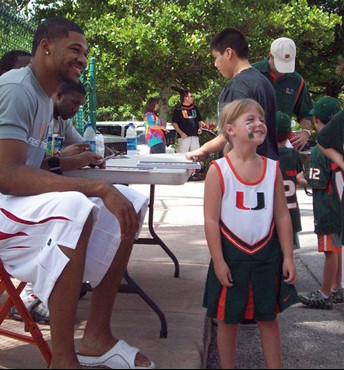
(14, 59)
(291, 91)
(67, 102)
(230, 50)
(249, 234)
(155, 129)
(187, 121)
(291, 166)
(323, 177)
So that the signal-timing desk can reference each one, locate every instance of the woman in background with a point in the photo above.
(155, 137)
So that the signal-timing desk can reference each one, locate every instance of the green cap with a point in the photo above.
(283, 122)
(325, 108)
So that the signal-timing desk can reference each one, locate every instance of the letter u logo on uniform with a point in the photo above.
(240, 201)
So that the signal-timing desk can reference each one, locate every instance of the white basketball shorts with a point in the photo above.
(32, 227)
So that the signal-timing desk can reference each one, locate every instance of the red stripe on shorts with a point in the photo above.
(19, 248)
(25, 222)
(250, 304)
(5, 236)
(222, 304)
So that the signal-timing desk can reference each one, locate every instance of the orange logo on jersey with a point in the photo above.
(42, 131)
(241, 204)
(286, 299)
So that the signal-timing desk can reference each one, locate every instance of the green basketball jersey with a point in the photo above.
(323, 177)
(332, 136)
(291, 165)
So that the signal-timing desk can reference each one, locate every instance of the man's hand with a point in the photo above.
(183, 135)
(82, 160)
(300, 178)
(91, 159)
(123, 209)
(197, 155)
(300, 140)
(75, 149)
(109, 151)
(199, 131)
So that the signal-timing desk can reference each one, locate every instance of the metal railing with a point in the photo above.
(17, 33)
(88, 112)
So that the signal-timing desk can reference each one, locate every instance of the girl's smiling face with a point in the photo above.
(249, 127)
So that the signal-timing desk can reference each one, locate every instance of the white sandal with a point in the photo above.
(120, 356)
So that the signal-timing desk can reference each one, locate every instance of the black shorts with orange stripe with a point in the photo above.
(258, 291)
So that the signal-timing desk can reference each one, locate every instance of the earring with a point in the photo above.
(47, 53)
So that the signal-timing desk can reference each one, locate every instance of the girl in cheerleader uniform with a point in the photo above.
(249, 234)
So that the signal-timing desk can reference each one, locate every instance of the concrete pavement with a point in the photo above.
(312, 339)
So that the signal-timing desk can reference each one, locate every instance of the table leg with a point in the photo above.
(132, 287)
(155, 240)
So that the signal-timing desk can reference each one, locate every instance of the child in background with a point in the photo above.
(249, 234)
(323, 178)
(290, 165)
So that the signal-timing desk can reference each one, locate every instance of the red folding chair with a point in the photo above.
(36, 338)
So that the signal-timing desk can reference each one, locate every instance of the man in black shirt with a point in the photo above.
(187, 121)
(230, 50)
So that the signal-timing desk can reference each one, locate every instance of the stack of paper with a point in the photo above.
(189, 165)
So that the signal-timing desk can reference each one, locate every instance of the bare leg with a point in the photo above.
(271, 343)
(98, 338)
(338, 280)
(330, 272)
(227, 344)
(63, 303)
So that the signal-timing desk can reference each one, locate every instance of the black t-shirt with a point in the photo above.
(251, 84)
(187, 118)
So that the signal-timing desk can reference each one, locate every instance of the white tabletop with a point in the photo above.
(125, 171)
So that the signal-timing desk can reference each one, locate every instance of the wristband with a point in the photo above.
(54, 165)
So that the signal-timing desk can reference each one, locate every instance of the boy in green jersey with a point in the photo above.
(291, 166)
(324, 176)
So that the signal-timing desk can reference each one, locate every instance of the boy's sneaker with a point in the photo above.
(316, 299)
(338, 296)
(37, 309)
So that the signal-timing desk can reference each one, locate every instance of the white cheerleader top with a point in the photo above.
(247, 208)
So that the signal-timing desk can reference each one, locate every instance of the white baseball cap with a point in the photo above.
(284, 52)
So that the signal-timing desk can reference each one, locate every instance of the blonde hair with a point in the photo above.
(231, 112)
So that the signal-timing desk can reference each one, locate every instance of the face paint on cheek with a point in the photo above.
(249, 129)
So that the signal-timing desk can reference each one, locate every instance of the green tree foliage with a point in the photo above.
(145, 47)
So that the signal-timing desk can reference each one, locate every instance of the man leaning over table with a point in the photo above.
(56, 231)
(291, 91)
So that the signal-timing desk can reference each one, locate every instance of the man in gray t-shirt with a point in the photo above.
(25, 113)
(60, 230)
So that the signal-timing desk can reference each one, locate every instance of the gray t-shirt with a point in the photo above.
(25, 112)
(65, 129)
(253, 85)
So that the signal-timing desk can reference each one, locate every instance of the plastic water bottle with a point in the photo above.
(100, 146)
(90, 136)
(131, 140)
